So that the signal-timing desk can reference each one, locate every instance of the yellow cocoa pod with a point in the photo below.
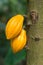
(14, 26)
(19, 42)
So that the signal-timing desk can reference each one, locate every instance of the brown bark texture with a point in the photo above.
(35, 33)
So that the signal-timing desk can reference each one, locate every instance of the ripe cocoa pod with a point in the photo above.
(14, 26)
(19, 42)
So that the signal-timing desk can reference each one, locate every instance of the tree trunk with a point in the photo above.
(35, 53)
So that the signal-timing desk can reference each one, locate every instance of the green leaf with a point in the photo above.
(2, 26)
(18, 6)
(12, 58)
(4, 44)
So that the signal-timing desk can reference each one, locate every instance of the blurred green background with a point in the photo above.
(9, 8)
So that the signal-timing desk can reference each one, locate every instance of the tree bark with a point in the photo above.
(35, 53)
